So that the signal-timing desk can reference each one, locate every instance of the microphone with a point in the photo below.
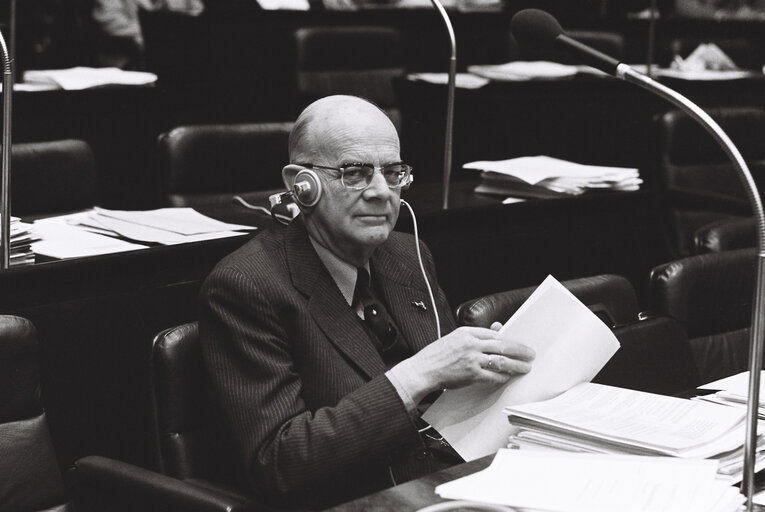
(535, 27)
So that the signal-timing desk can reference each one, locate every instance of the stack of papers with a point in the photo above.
(86, 78)
(544, 176)
(102, 231)
(563, 482)
(21, 242)
(603, 419)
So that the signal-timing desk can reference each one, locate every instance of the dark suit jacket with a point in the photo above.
(301, 387)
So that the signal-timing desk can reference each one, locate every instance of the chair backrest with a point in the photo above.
(52, 177)
(725, 235)
(31, 478)
(189, 443)
(202, 164)
(700, 183)
(711, 296)
(610, 43)
(610, 296)
(356, 60)
(654, 355)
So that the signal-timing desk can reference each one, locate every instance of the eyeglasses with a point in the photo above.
(358, 176)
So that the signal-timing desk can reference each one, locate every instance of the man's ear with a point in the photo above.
(288, 175)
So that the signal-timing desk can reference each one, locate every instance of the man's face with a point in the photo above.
(352, 223)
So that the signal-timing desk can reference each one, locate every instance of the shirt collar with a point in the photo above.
(342, 272)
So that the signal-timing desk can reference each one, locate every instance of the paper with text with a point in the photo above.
(571, 344)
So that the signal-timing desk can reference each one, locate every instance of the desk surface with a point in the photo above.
(413, 495)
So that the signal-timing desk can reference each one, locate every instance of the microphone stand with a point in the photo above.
(449, 103)
(5, 157)
(757, 335)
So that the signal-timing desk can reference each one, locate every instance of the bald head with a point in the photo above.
(333, 120)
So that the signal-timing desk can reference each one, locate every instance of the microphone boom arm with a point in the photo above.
(757, 335)
(5, 158)
(448, 136)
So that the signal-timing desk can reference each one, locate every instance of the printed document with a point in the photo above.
(571, 344)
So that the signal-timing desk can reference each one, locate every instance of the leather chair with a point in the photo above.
(52, 177)
(725, 235)
(711, 296)
(206, 164)
(356, 60)
(195, 468)
(610, 43)
(31, 478)
(696, 179)
(654, 354)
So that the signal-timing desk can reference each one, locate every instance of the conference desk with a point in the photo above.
(586, 118)
(96, 316)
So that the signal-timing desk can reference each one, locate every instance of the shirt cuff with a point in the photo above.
(400, 383)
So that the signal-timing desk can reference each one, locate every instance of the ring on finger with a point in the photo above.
(490, 363)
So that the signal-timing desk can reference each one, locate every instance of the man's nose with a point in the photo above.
(378, 187)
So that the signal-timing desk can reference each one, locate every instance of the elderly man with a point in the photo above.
(321, 403)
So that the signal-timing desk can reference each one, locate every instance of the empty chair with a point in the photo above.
(697, 180)
(204, 164)
(52, 177)
(711, 296)
(654, 355)
(197, 472)
(725, 235)
(610, 43)
(356, 60)
(31, 478)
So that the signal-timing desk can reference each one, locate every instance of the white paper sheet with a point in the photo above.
(184, 221)
(62, 241)
(571, 344)
(84, 77)
(596, 483)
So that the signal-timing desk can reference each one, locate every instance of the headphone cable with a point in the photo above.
(422, 268)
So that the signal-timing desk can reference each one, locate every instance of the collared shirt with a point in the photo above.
(344, 275)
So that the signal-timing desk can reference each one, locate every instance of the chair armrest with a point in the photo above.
(98, 483)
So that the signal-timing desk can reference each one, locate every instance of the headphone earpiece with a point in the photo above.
(306, 190)
(408, 182)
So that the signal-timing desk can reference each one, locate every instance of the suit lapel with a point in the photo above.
(402, 287)
(327, 305)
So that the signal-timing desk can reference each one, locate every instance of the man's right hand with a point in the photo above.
(465, 356)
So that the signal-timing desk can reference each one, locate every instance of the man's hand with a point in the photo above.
(462, 357)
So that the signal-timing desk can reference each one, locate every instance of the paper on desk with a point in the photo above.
(571, 344)
(81, 77)
(524, 70)
(572, 482)
(184, 221)
(534, 169)
(461, 80)
(62, 241)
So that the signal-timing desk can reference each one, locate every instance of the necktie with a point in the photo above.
(375, 315)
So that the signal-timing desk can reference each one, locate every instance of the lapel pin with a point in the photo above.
(420, 304)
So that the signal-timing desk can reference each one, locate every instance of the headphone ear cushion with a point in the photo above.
(306, 190)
